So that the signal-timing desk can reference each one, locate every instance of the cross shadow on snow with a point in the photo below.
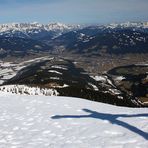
(112, 118)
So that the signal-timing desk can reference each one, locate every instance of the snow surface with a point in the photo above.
(26, 90)
(63, 122)
(99, 78)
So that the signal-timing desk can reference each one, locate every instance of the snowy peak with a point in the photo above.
(128, 25)
(24, 30)
(59, 26)
(35, 25)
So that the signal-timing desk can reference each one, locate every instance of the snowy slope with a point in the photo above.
(62, 122)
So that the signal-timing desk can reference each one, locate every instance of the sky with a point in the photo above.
(73, 11)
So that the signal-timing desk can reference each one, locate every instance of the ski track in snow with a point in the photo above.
(62, 122)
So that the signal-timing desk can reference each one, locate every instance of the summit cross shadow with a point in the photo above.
(112, 118)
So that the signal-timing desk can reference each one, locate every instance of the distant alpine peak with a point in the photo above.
(36, 25)
(60, 26)
(128, 24)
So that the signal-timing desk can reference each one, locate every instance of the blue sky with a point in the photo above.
(73, 11)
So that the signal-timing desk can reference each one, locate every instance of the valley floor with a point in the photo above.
(64, 122)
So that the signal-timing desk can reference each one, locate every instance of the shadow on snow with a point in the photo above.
(112, 118)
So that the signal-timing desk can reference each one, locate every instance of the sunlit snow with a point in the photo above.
(44, 122)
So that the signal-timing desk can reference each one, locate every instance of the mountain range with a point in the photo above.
(20, 39)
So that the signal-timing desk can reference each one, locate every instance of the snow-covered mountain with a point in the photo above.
(35, 25)
(31, 29)
(63, 122)
(58, 76)
(35, 28)
(21, 39)
(96, 39)
(128, 25)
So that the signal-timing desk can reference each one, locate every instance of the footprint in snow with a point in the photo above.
(30, 119)
(113, 133)
(79, 110)
(15, 128)
(46, 132)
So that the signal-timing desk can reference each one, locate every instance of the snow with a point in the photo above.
(55, 78)
(59, 67)
(94, 86)
(85, 41)
(142, 64)
(82, 34)
(24, 89)
(65, 85)
(128, 25)
(119, 78)
(63, 122)
(54, 71)
(110, 82)
(9, 69)
(99, 78)
(26, 29)
(114, 91)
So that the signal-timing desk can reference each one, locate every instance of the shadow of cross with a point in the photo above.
(112, 118)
